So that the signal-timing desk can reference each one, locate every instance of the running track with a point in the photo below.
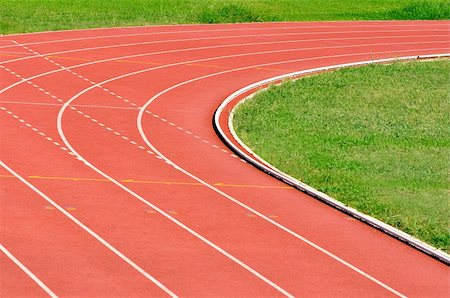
(114, 183)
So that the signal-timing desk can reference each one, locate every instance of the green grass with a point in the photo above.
(376, 138)
(42, 15)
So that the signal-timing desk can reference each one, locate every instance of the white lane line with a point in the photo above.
(162, 119)
(218, 58)
(378, 26)
(72, 108)
(27, 271)
(160, 211)
(93, 83)
(97, 85)
(60, 104)
(312, 244)
(159, 67)
(333, 24)
(27, 80)
(14, 53)
(90, 232)
(232, 45)
(34, 129)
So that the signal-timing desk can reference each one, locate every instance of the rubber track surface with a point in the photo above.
(114, 183)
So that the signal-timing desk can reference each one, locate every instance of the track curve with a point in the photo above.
(113, 126)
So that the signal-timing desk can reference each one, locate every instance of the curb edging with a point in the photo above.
(249, 156)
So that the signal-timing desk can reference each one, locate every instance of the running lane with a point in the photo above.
(114, 126)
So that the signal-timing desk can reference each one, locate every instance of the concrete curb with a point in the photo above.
(248, 155)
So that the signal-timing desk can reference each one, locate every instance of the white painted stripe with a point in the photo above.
(175, 51)
(27, 271)
(375, 25)
(90, 232)
(154, 207)
(225, 57)
(229, 45)
(326, 252)
(277, 63)
(71, 107)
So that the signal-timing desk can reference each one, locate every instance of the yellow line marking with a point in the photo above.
(249, 185)
(219, 184)
(64, 178)
(14, 54)
(69, 58)
(49, 207)
(275, 69)
(138, 62)
(208, 65)
(159, 182)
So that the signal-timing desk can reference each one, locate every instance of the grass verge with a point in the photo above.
(43, 15)
(376, 138)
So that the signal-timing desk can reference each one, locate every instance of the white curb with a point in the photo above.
(249, 156)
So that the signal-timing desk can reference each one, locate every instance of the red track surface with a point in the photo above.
(156, 205)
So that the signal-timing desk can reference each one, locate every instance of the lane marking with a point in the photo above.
(90, 232)
(224, 37)
(214, 58)
(42, 134)
(72, 108)
(27, 271)
(376, 25)
(312, 244)
(166, 215)
(160, 211)
(77, 179)
(268, 219)
(92, 83)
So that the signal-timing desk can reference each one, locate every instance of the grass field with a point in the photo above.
(43, 15)
(377, 138)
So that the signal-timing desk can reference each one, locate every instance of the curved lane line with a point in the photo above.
(377, 22)
(271, 170)
(90, 232)
(189, 31)
(180, 50)
(203, 38)
(99, 84)
(168, 161)
(207, 59)
(160, 211)
(142, 110)
(27, 271)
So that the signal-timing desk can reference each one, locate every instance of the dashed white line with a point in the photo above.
(42, 134)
